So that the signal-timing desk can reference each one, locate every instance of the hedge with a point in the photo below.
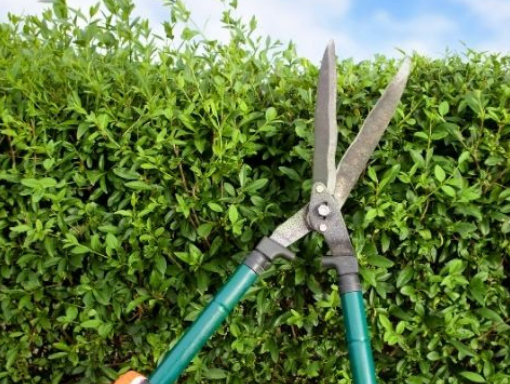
(136, 172)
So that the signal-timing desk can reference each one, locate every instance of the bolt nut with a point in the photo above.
(324, 210)
(319, 188)
(323, 227)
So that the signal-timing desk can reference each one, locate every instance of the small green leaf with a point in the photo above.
(82, 129)
(126, 173)
(233, 214)
(464, 156)
(205, 229)
(433, 356)
(255, 185)
(439, 173)
(448, 190)
(215, 374)
(473, 377)
(444, 108)
(47, 182)
(404, 276)
(291, 173)
(270, 114)
(123, 212)
(379, 261)
(111, 241)
(462, 348)
(91, 323)
(161, 263)
(20, 228)
(215, 207)
(80, 249)
(478, 289)
(71, 313)
(138, 185)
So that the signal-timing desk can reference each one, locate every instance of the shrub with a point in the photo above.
(135, 175)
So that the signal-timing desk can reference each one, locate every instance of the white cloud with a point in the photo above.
(427, 34)
(32, 7)
(494, 15)
(426, 24)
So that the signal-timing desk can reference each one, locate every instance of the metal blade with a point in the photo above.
(357, 155)
(292, 229)
(326, 132)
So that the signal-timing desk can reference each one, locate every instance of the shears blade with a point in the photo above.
(326, 132)
(356, 157)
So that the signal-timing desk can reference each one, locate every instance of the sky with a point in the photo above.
(360, 28)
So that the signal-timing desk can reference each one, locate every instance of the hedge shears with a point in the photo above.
(330, 189)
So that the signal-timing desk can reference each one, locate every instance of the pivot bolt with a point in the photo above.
(319, 188)
(323, 227)
(324, 210)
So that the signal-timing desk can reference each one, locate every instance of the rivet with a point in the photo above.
(324, 210)
(323, 227)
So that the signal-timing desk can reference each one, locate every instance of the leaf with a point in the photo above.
(161, 263)
(91, 323)
(215, 374)
(127, 174)
(136, 303)
(233, 214)
(464, 156)
(71, 313)
(370, 216)
(462, 348)
(379, 261)
(138, 185)
(473, 377)
(125, 213)
(474, 101)
(291, 173)
(111, 241)
(20, 228)
(270, 114)
(439, 173)
(448, 190)
(389, 176)
(478, 289)
(417, 158)
(489, 314)
(255, 185)
(385, 322)
(80, 249)
(188, 34)
(47, 182)
(444, 108)
(82, 129)
(205, 229)
(183, 205)
(215, 207)
(405, 276)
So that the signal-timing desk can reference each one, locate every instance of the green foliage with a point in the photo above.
(137, 171)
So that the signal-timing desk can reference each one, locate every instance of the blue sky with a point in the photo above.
(360, 28)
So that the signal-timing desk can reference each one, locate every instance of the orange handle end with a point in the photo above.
(132, 377)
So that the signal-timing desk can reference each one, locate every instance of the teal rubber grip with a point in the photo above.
(177, 359)
(358, 339)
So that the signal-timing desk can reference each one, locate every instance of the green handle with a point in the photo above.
(176, 361)
(358, 340)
